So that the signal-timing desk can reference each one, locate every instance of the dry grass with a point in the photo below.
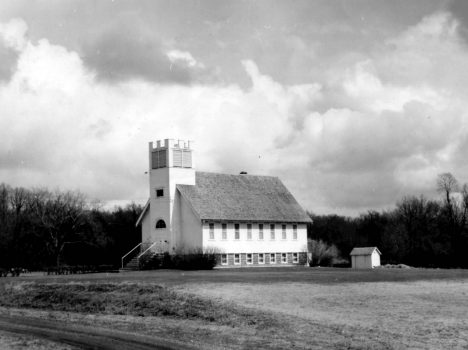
(287, 307)
(10, 341)
(135, 299)
(419, 315)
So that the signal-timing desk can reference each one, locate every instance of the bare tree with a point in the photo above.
(63, 218)
(5, 192)
(447, 184)
(455, 211)
(414, 221)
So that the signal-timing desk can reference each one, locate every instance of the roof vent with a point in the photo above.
(243, 173)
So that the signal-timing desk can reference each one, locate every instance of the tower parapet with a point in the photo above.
(170, 153)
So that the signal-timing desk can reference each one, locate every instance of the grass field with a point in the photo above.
(310, 308)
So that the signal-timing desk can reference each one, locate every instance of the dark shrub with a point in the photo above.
(168, 261)
(323, 254)
(148, 262)
(182, 259)
(195, 258)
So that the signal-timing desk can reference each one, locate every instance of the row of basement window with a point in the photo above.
(261, 258)
(261, 231)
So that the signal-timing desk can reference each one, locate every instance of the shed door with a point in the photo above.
(361, 261)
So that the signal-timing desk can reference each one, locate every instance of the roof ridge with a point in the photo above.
(212, 173)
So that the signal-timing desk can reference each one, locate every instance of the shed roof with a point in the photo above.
(225, 197)
(364, 251)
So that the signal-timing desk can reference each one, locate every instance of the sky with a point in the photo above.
(352, 104)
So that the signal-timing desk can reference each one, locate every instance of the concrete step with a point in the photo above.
(134, 264)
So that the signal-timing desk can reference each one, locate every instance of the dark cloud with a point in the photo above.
(8, 60)
(459, 9)
(125, 51)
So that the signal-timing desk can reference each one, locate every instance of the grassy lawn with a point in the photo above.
(261, 308)
(255, 275)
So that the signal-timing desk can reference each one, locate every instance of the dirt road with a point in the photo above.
(84, 337)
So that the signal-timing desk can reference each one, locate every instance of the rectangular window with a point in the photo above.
(295, 257)
(159, 192)
(249, 231)
(224, 260)
(236, 231)
(284, 258)
(272, 231)
(261, 258)
(224, 228)
(294, 231)
(260, 231)
(211, 231)
(283, 231)
(249, 259)
(236, 259)
(272, 258)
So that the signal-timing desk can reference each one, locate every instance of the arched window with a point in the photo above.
(160, 224)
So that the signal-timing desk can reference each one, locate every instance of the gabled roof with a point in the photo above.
(364, 251)
(223, 197)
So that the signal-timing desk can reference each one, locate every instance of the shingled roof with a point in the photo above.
(221, 197)
(364, 251)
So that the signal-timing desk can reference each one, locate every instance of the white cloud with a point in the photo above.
(378, 139)
(13, 33)
(185, 56)
(63, 128)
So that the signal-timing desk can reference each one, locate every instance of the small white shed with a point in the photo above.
(365, 258)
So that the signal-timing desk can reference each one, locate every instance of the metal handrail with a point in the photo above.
(129, 253)
(152, 245)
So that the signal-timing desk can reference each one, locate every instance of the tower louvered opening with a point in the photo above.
(159, 159)
(182, 158)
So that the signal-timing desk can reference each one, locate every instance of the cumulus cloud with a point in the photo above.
(65, 128)
(125, 50)
(357, 142)
(459, 10)
(185, 57)
(12, 40)
(390, 136)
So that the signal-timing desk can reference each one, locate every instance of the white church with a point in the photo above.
(249, 219)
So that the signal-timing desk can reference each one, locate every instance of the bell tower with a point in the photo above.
(171, 162)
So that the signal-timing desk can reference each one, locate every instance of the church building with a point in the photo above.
(251, 220)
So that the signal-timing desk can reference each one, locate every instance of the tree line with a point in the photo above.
(418, 231)
(41, 228)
